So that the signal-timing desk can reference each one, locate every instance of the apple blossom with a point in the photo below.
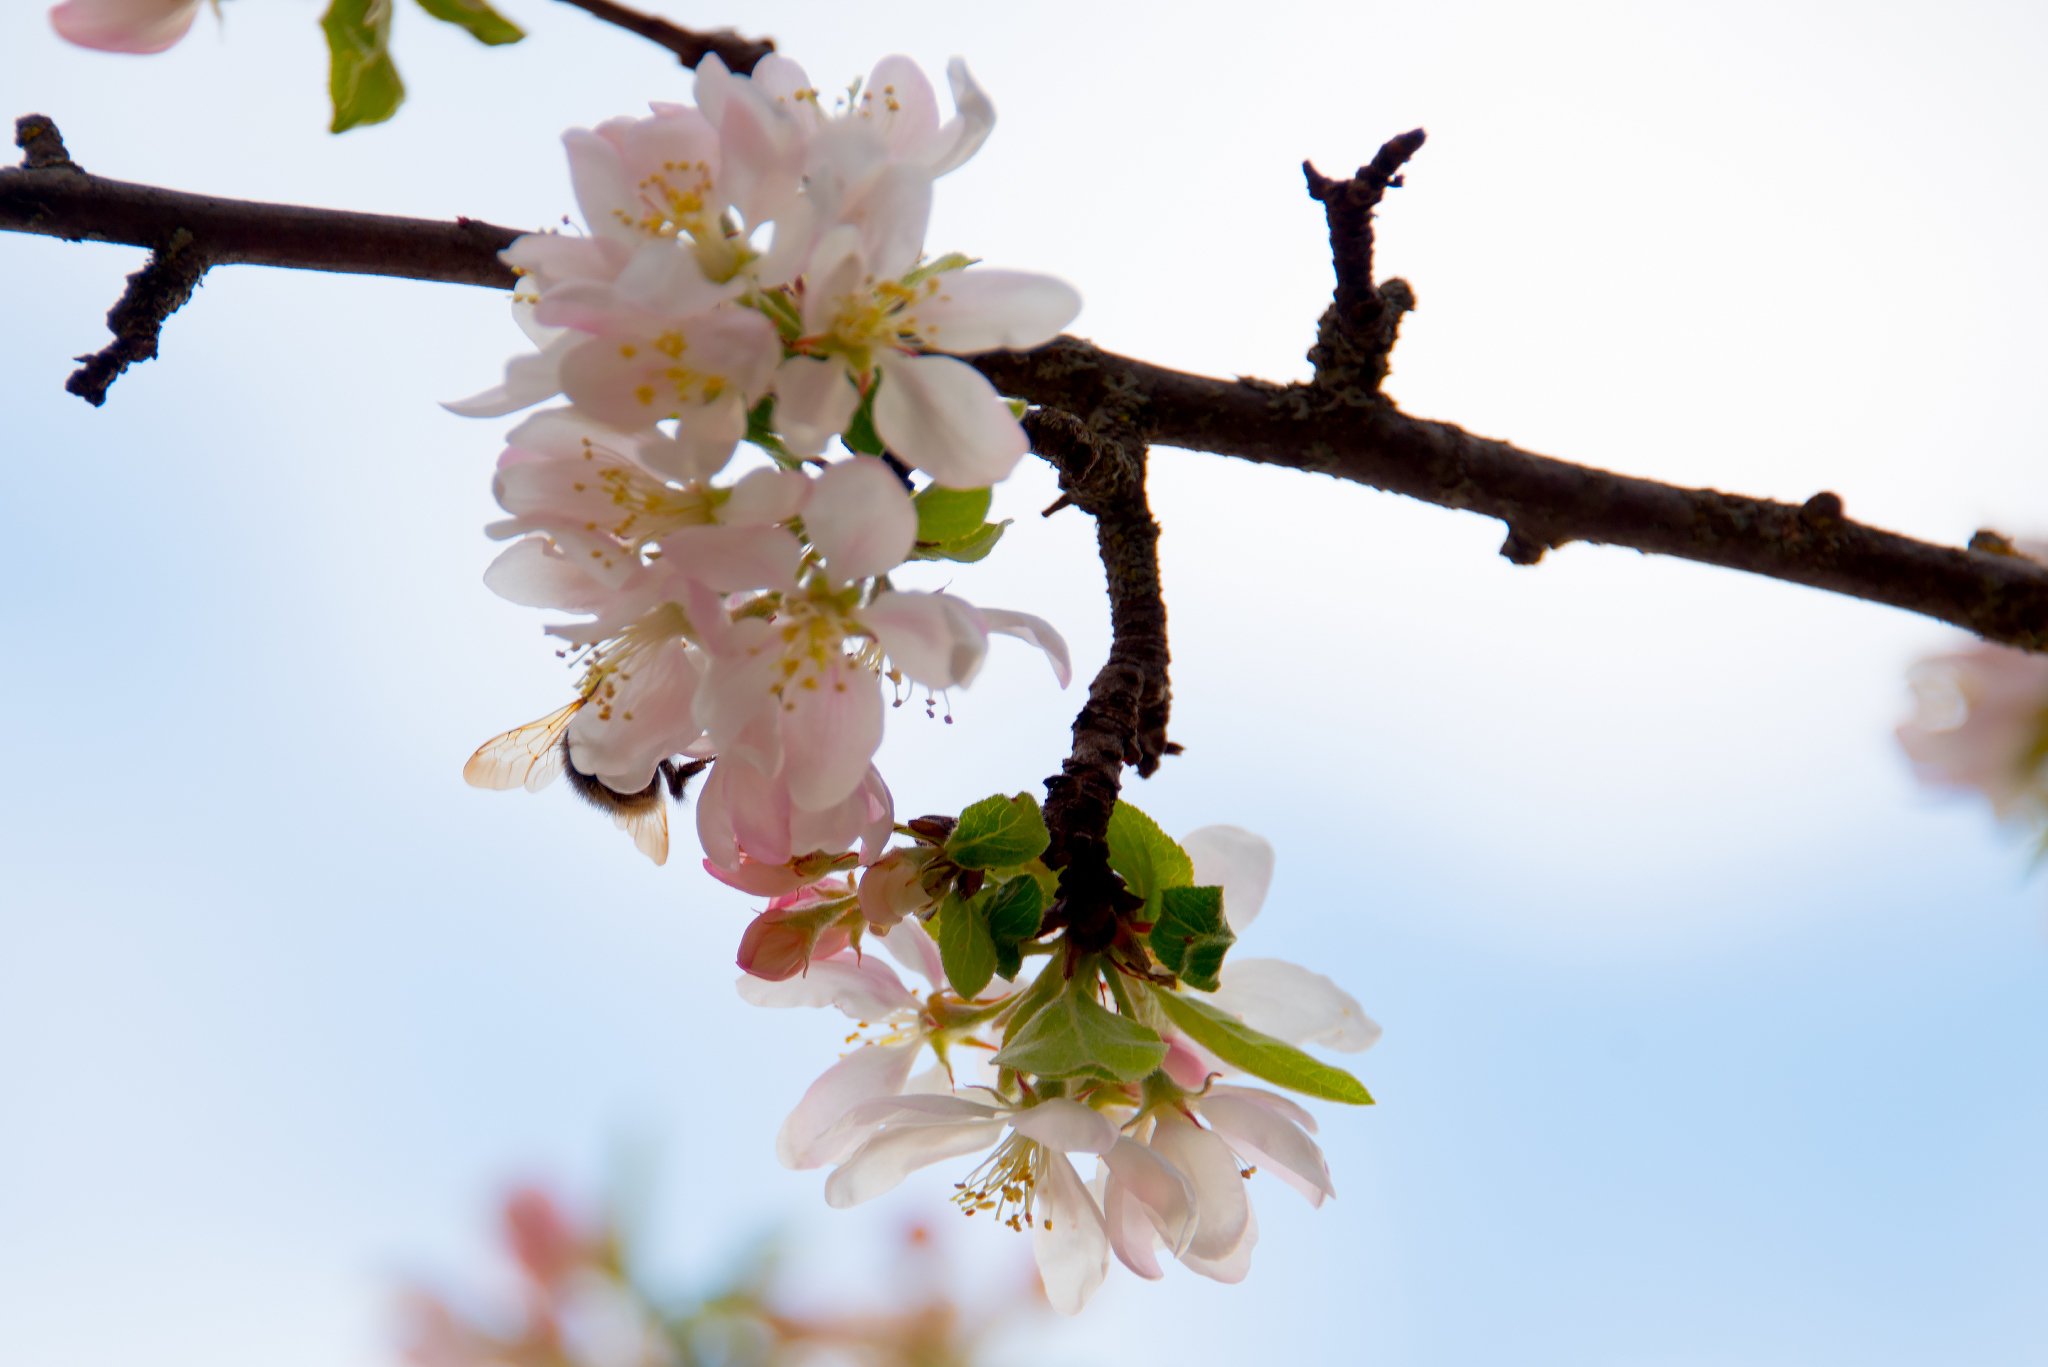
(1981, 721)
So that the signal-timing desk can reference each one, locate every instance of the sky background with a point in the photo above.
(1710, 1041)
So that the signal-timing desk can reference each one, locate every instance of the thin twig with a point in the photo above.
(1545, 502)
(690, 47)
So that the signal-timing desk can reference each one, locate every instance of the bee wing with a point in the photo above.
(529, 756)
(649, 829)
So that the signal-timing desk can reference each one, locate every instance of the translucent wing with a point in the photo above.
(530, 755)
(649, 829)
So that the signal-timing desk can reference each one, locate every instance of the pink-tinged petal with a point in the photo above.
(983, 310)
(529, 378)
(807, 1138)
(935, 638)
(777, 947)
(863, 988)
(734, 701)
(549, 259)
(890, 209)
(1066, 1126)
(968, 129)
(137, 26)
(814, 401)
(1186, 1063)
(714, 822)
(632, 382)
(759, 803)
(1213, 1175)
(731, 559)
(533, 573)
(714, 82)
(1977, 717)
(765, 497)
(880, 806)
(567, 434)
(663, 280)
(1131, 1235)
(900, 100)
(757, 879)
(1068, 1240)
(1161, 1197)
(836, 269)
(892, 889)
(1036, 631)
(911, 945)
(604, 190)
(1237, 860)
(1266, 1141)
(784, 83)
(831, 727)
(646, 720)
(761, 156)
(1292, 1003)
(860, 518)
(703, 444)
(881, 1163)
(1272, 1101)
(1234, 1266)
(924, 1108)
(940, 415)
(830, 829)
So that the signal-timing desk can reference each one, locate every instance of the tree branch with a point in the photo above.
(690, 47)
(1545, 502)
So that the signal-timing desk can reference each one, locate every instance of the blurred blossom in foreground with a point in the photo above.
(583, 1303)
(1980, 720)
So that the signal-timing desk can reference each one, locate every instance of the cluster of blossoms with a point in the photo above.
(1115, 1051)
(755, 272)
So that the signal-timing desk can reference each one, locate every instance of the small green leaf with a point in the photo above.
(965, 949)
(968, 549)
(1191, 937)
(1148, 859)
(485, 24)
(998, 831)
(1075, 1036)
(945, 515)
(360, 76)
(1260, 1055)
(1015, 910)
(1042, 990)
(860, 435)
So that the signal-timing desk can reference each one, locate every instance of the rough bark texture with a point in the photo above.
(689, 45)
(1544, 502)
(1102, 472)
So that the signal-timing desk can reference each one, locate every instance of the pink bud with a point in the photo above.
(541, 1238)
(891, 888)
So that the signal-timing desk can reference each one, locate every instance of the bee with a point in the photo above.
(531, 756)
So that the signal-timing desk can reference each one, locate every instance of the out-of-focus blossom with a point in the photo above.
(1980, 721)
(139, 26)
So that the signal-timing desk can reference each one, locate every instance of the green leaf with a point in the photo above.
(1191, 937)
(1043, 987)
(1015, 910)
(360, 76)
(1260, 1055)
(997, 831)
(860, 434)
(966, 550)
(965, 949)
(485, 24)
(950, 514)
(1148, 859)
(1075, 1036)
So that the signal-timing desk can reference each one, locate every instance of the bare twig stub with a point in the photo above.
(154, 293)
(1545, 502)
(689, 45)
(1357, 331)
(1102, 471)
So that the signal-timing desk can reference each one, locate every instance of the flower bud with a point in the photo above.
(802, 925)
(892, 889)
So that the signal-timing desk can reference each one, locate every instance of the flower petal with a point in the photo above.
(1292, 1003)
(860, 518)
(863, 988)
(969, 127)
(1066, 1126)
(935, 638)
(529, 378)
(815, 399)
(1162, 1196)
(765, 497)
(831, 727)
(534, 573)
(807, 1138)
(983, 310)
(1238, 860)
(1265, 1140)
(881, 1163)
(1232, 1267)
(1037, 631)
(940, 415)
(139, 26)
(1212, 1173)
(1069, 1240)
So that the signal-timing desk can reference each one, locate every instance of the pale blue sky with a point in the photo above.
(1709, 1041)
